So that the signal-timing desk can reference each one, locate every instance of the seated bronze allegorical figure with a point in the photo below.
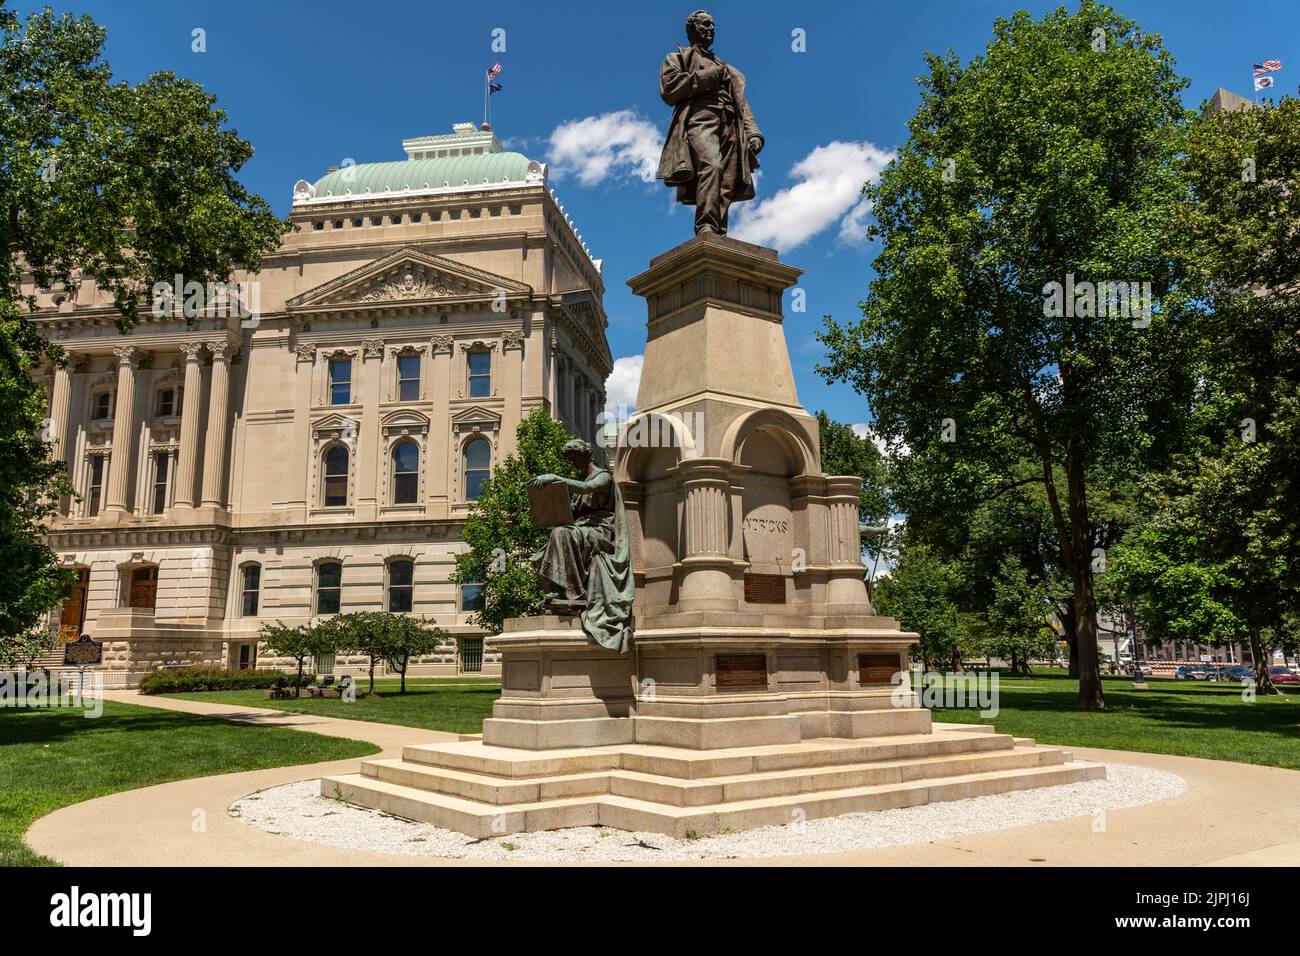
(586, 566)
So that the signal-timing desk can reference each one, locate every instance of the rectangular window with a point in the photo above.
(471, 597)
(480, 374)
(408, 378)
(329, 587)
(340, 381)
(401, 575)
(251, 586)
(96, 490)
(167, 403)
(103, 406)
(161, 461)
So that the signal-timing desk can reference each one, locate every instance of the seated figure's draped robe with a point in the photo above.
(591, 560)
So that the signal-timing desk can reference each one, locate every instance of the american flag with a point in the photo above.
(493, 73)
(1268, 66)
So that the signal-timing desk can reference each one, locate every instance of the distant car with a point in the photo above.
(1144, 669)
(1237, 672)
(1194, 672)
(1283, 675)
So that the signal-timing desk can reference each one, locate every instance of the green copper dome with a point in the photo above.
(446, 172)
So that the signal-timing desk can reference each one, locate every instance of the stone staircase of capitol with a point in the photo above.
(486, 791)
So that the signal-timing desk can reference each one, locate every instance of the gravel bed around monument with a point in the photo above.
(299, 812)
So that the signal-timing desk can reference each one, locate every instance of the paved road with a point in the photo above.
(1230, 814)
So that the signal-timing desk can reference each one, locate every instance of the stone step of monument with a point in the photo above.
(693, 764)
(627, 813)
(478, 819)
(697, 792)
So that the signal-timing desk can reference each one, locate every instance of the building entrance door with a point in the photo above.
(74, 608)
(144, 587)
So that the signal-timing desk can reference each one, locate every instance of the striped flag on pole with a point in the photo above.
(494, 72)
(1268, 66)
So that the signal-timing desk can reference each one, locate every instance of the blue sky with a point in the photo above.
(311, 85)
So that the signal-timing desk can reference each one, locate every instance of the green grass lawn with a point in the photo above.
(1186, 718)
(52, 758)
(456, 705)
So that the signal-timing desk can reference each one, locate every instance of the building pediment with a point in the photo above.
(475, 418)
(408, 277)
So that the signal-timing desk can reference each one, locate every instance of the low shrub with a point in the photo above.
(190, 679)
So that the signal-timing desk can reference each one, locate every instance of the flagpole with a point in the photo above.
(485, 99)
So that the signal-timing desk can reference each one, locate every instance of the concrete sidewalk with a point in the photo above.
(1231, 814)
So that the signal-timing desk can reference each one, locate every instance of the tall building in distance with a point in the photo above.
(321, 455)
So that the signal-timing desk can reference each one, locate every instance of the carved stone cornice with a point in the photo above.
(512, 339)
(442, 343)
(373, 348)
(305, 352)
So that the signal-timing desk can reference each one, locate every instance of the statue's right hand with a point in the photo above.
(541, 480)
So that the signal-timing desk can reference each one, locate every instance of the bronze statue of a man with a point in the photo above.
(586, 567)
(713, 143)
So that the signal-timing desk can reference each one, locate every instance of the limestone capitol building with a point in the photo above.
(322, 455)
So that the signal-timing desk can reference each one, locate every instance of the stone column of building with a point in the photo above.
(214, 453)
(846, 585)
(60, 402)
(119, 465)
(189, 451)
(706, 490)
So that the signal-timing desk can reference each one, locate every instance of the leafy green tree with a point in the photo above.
(120, 184)
(920, 593)
(1016, 624)
(367, 633)
(298, 642)
(410, 637)
(1051, 158)
(1219, 561)
(499, 529)
(23, 650)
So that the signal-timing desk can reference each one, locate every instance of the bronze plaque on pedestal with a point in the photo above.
(764, 589)
(877, 668)
(741, 670)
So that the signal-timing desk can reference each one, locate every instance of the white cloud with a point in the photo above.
(622, 143)
(828, 191)
(868, 430)
(622, 385)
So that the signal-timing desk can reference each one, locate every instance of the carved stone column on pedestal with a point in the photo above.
(120, 464)
(847, 584)
(189, 451)
(214, 453)
(707, 582)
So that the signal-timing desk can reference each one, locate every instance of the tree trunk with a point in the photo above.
(297, 687)
(405, 662)
(956, 660)
(1263, 681)
(1091, 696)
(370, 693)
(1067, 631)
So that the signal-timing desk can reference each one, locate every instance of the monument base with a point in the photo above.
(704, 726)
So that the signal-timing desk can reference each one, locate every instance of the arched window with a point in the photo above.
(334, 484)
(478, 462)
(401, 582)
(329, 587)
(406, 473)
(250, 587)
